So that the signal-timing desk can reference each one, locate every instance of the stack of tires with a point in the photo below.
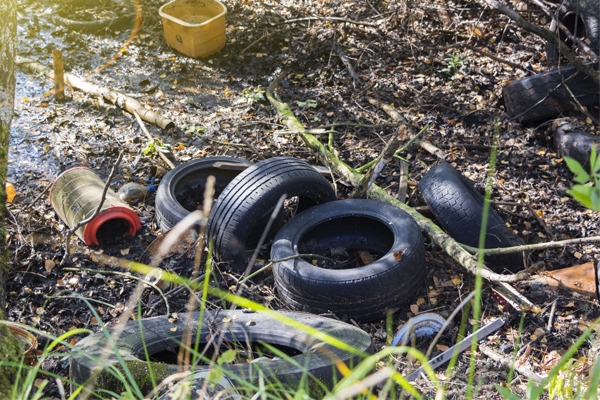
(368, 256)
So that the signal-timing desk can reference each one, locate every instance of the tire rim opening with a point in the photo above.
(257, 351)
(350, 241)
(189, 190)
(570, 21)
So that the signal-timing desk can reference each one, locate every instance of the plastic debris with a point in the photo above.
(11, 192)
(423, 325)
(132, 193)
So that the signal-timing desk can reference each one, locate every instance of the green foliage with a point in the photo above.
(157, 146)
(456, 65)
(307, 104)
(254, 96)
(587, 192)
(195, 129)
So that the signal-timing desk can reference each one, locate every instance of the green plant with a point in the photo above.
(456, 65)
(587, 192)
(254, 96)
(152, 148)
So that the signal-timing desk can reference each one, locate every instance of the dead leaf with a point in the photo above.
(442, 347)
(414, 308)
(420, 301)
(124, 252)
(366, 257)
(173, 329)
(226, 319)
(398, 255)
(49, 265)
(550, 360)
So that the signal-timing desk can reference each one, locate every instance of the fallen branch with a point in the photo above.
(346, 61)
(337, 19)
(111, 24)
(436, 235)
(118, 99)
(549, 36)
(508, 363)
(478, 50)
(396, 116)
(386, 156)
(531, 247)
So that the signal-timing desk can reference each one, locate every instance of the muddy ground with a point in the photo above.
(211, 98)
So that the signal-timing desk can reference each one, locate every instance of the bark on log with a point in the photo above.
(436, 234)
(9, 347)
(116, 98)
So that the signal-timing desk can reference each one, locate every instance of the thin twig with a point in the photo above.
(152, 141)
(478, 50)
(95, 214)
(337, 19)
(346, 61)
(37, 198)
(533, 213)
(530, 247)
(250, 145)
(386, 155)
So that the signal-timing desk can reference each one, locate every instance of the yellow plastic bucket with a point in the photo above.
(195, 28)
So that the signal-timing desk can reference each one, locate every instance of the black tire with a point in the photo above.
(162, 340)
(252, 195)
(181, 190)
(521, 97)
(587, 26)
(359, 292)
(458, 207)
(571, 141)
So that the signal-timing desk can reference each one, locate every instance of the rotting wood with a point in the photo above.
(436, 234)
(59, 75)
(549, 36)
(116, 98)
(346, 61)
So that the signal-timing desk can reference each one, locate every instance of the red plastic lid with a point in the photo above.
(91, 229)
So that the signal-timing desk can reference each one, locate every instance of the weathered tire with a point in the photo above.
(571, 141)
(458, 207)
(358, 292)
(252, 195)
(181, 190)
(587, 26)
(162, 339)
(521, 97)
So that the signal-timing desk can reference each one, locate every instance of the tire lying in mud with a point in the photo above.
(458, 207)
(571, 141)
(581, 14)
(181, 191)
(252, 195)
(161, 338)
(535, 98)
(383, 266)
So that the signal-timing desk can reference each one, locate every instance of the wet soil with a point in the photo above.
(210, 99)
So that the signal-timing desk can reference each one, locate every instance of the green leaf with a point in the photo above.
(593, 159)
(583, 194)
(596, 165)
(215, 376)
(311, 103)
(595, 198)
(301, 104)
(227, 357)
(506, 393)
(149, 149)
(577, 169)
